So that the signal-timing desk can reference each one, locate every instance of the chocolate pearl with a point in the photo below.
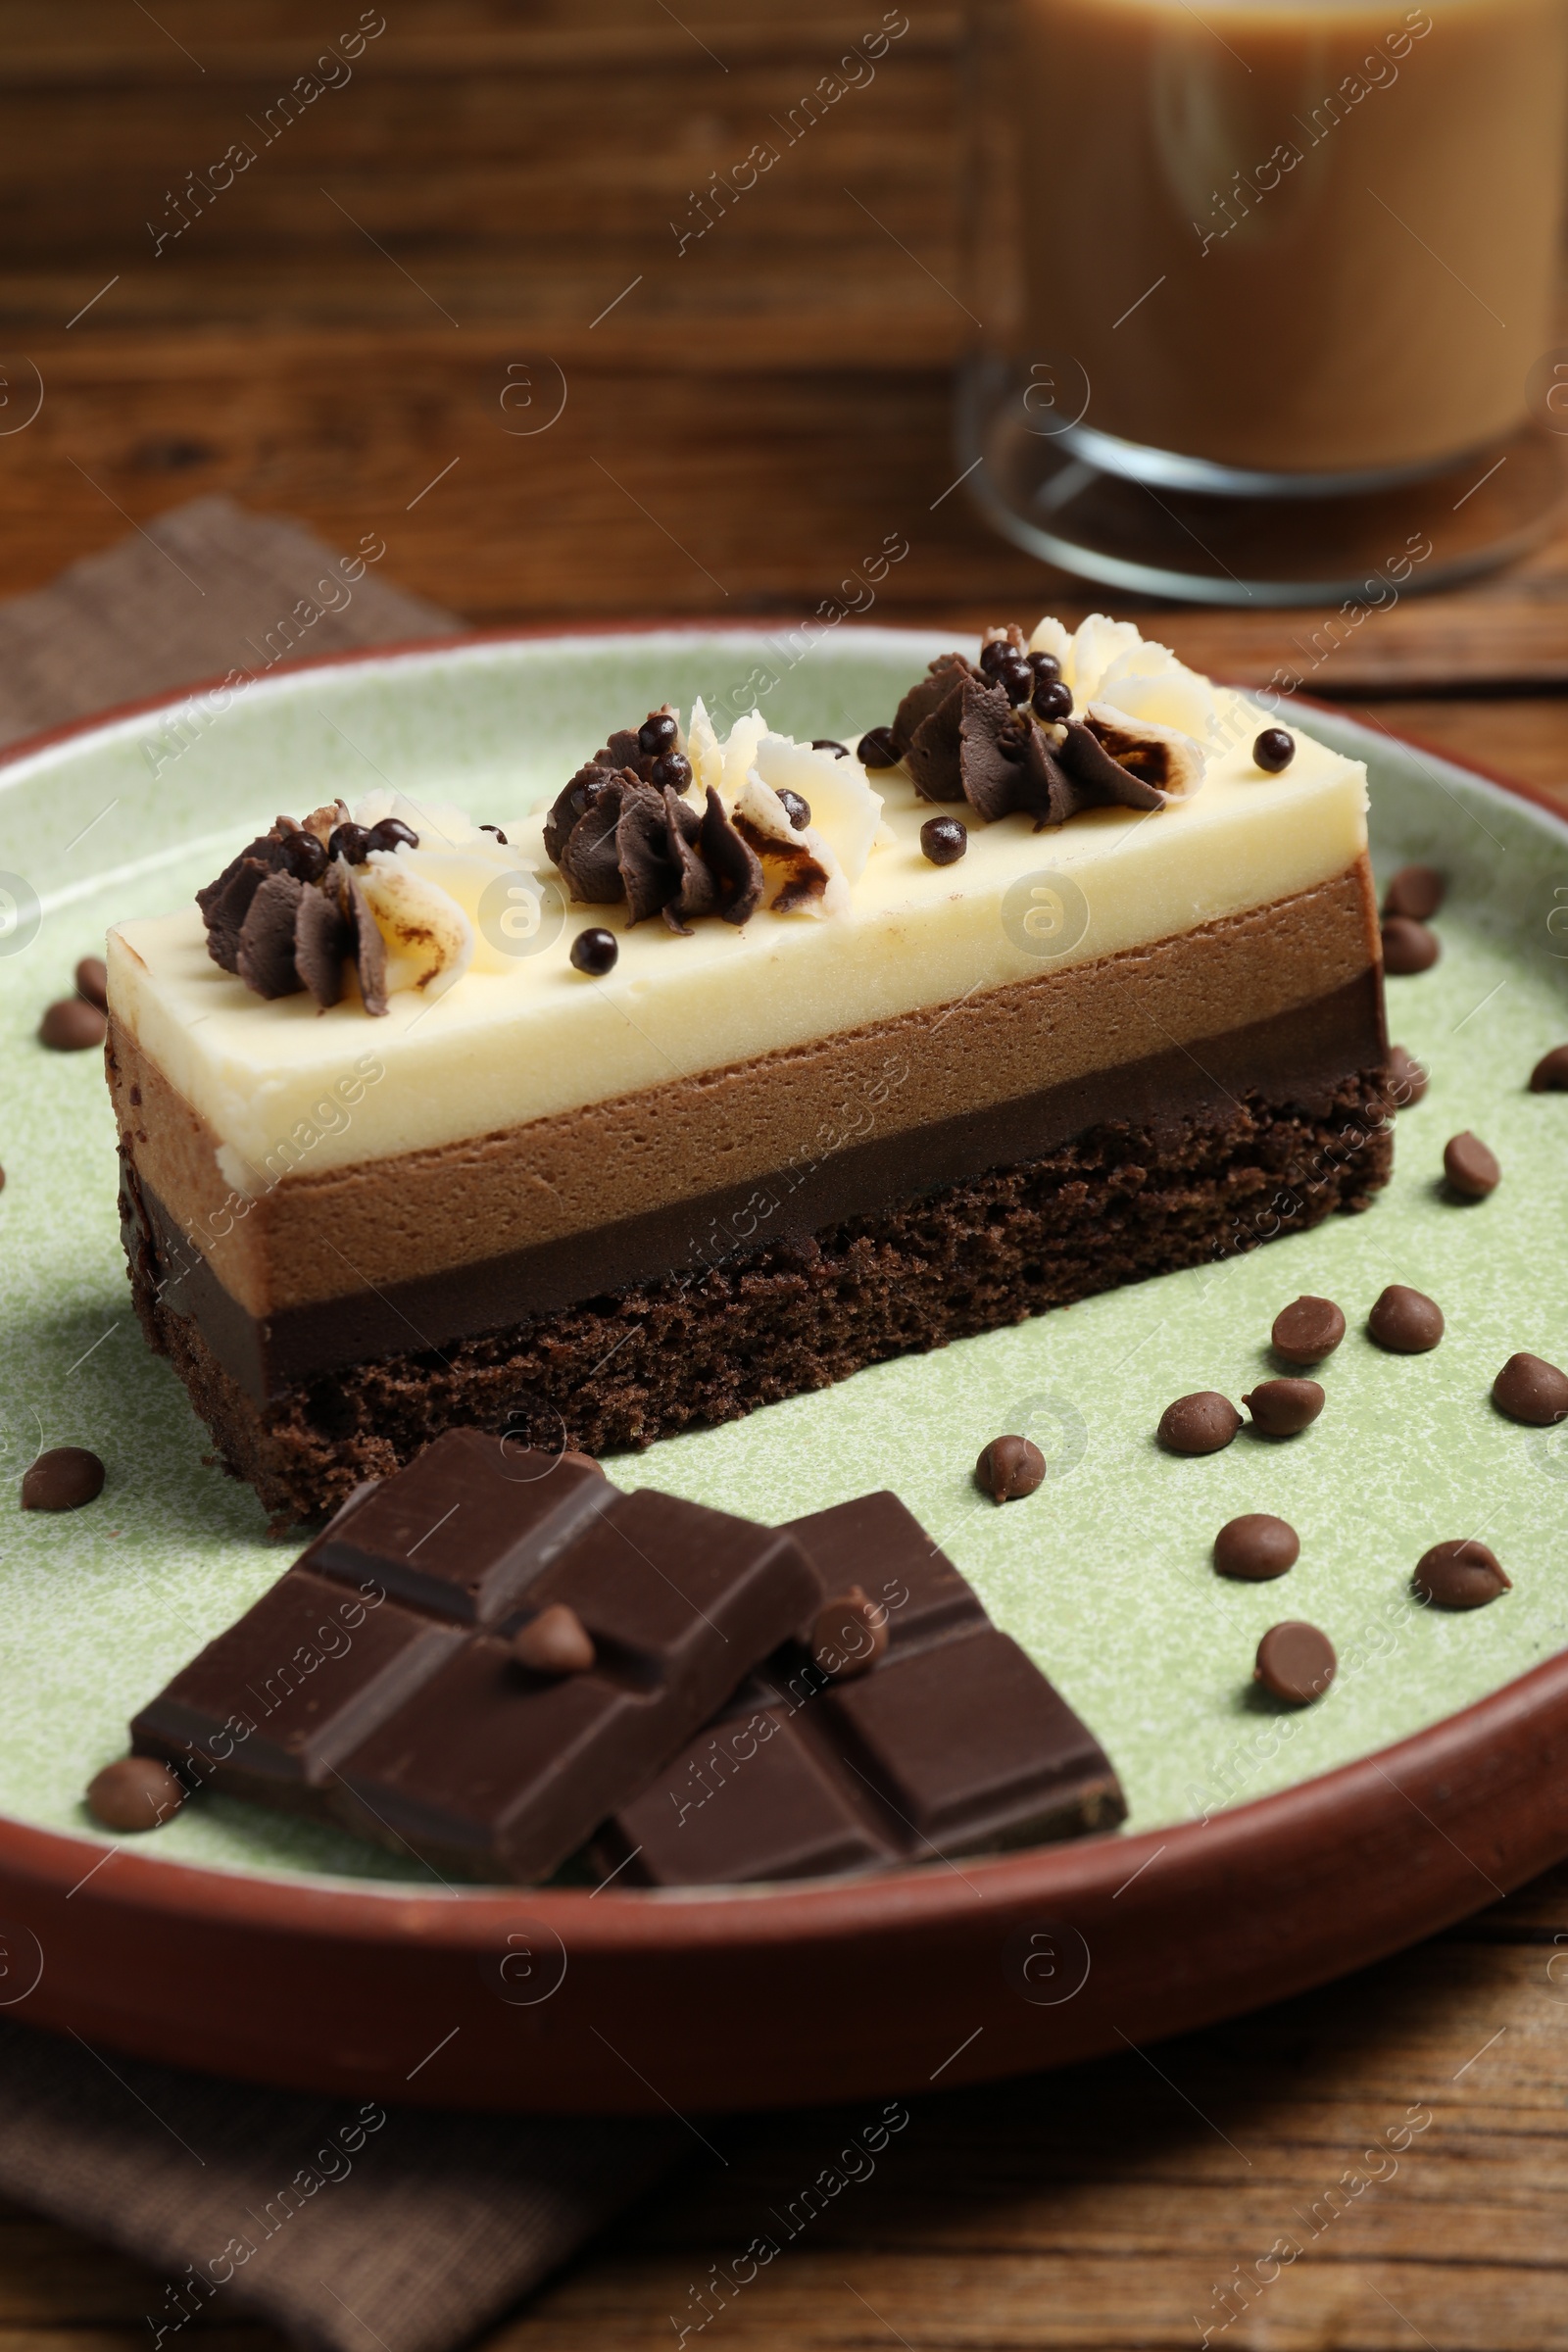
(944, 839)
(391, 834)
(849, 1635)
(1307, 1331)
(1044, 666)
(72, 1025)
(1415, 890)
(350, 843)
(62, 1480)
(1408, 1079)
(994, 652)
(1017, 679)
(1255, 1548)
(595, 952)
(1408, 946)
(830, 743)
(1009, 1468)
(1282, 1409)
(1405, 1322)
(1529, 1389)
(92, 981)
(1274, 751)
(1462, 1574)
(1296, 1663)
(657, 734)
(555, 1641)
(672, 768)
(307, 857)
(797, 810)
(1471, 1170)
(1198, 1424)
(134, 1793)
(1551, 1073)
(878, 749)
(1052, 699)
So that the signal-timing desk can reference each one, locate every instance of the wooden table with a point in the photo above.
(353, 333)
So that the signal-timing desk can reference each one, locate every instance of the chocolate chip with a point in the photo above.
(1408, 946)
(92, 981)
(1529, 1389)
(1009, 1468)
(1052, 699)
(1415, 890)
(350, 843)
(1274, 751)
(797, 810)
(657, 734)
(595, 952)
(1255, 1548)
(555, 1641)
(391, 834)
(1408, 1079)
(1551, 1073)
(1198, 1424)
(944, 839)
(62, 1480)
(1307, 1331)
(72, 1025)
(134, 1793)
(849, 1635)
(1406, 1322)
(878, 749)
(1296, 1663)
(1471, 1170)
(829, 743)
(1282, 1409)
(1464, 1574)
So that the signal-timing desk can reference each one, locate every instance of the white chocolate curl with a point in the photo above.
(425, 900)
(1140, 686)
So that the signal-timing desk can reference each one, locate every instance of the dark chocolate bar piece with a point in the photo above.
(493, 1769)
(951, 1742)
(379, 1682)
(463, 1527)
(265, 1710)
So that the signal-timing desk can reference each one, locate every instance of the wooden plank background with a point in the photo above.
(482, 209)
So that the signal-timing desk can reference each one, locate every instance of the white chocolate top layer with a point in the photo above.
(504, 1045)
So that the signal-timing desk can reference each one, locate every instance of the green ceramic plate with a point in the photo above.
(1105, 1574)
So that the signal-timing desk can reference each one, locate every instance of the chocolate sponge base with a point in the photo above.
(1114, 1205)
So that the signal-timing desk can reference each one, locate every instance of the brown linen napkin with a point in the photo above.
(413, 2231)
(346, 2223)
(194, 594)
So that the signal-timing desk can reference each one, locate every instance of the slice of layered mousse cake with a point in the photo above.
(746, 1063)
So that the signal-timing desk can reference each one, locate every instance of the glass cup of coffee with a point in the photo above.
(1267, 291)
